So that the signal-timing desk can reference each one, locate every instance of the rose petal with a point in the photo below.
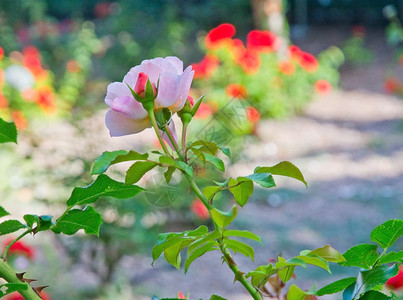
(118, 124)
(129, 107)
(168, 92)
(114, 90)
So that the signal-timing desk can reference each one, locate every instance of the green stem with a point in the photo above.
(183, 140)
(155, 126)
(173, 142)
(10, 275)
(12, 243)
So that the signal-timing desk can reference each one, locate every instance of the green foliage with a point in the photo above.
(223, 219)
(107, 159)
(284, 168)
(295, 293)
(42, 223)
(137, 171)
(242, 189)
(8, 132)
(387, 233)
(9, 288)
(10, 226)
(363, 256)
(336, 286)
(3, 212)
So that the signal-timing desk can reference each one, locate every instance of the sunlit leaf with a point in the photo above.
(392, 257)
(284, 168)
(137, 171)
(10, 226)
(295, 293)
(387, 233)
(209, 246)
(8, 288)
(243, 233)
(242, 190)
(3, 212)
(336, 286)
(240, 247)
(367, 280)
(8, 132)
(363, 256)
(328, 253)
(223, 219)
(167, 160)
(108, 158)
(215, 161)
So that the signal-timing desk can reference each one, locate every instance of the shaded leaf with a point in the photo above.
(367, 280)
(102, 186)
(3, 212)
(10, 226)
(243, 233)
(336, 286)
(223, 219)
(108, 158)
(374, 295)
(315, 260)
(363, 256)
(88, 219)
(284, 168)
(216, 297)
(167, 160)
(387, 233)
(215, 161)
(240, 247)
(168, 174)
(263, 179)
(226, 151)
(261, 274)
(8, 132)
(196, 243)
(391, 257)
(137, 171)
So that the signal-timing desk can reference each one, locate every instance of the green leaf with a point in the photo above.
(216, 297)
(243, 191)
(203, 239)
(209, 246)
(240, 247)
(76, 219)
(9, 288)
(10, 226)
(287, 267)
(215, 161)
(374, 295)
(226, 151)
(168, 174)
(137, 171)
(242, 233)
(315, 260)
(205, 146)
(336, 286)
(223, 219)
(295, 293)
(367, 280)
(263, 179)
(43, 223)
(261, 274)
(8, 132)
(348, 293)
(209, 191)
(284, 168)
(172, 254)
(328, 253)
(103, 162)
(387, 233)
(163, 117)
(167, 160)
(392, 257)
(3, 212)
(102, 186)
(363, 256)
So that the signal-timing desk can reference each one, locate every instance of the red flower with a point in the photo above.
(20, 248)
(19, 120)
(262, 41)
(286, 67)
(32, 61)
(3, 101)
(323, 87)
(206, 67)
(204, 111)
(17, 296)
(396, 282)
(249, 61)
(306, 60)
(234, 90)
(199, 209)
(181, 296)
(219, 36)
(1, 53)
(237, 48)
(45, 99)
(391, 85)
(252, 114)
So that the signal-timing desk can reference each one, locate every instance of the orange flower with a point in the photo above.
(252, 114)
(45, 99)
(73, 66)
(206, 67)
(234, 90)
(323, 87)
(286, 67)
(204, 111)
(237, 48)
(249, 61)
(199, 209)
(19, 120)
(391, 85)
(3, 101)
(1, 53)
(262, 41)
(219, 36)
(396, 282)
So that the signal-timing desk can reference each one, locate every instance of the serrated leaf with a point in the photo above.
(391, 257)
(207, 247)
(102, 186)
(215, 161)
(374, 295)
(329, 254)
(109, 158)
(223, 219)
(137, 171)
(243, 191)
(8, 132)
(10, 226)
(336, 286)
(363, 256)
(315, 260)
(295, 293)
(263, 179)
(168, 174)
(387, 233)
(167, 160)
(240, 247)
(242, 233)
(3, 212)
(9, 288)
(88, 219)
(284, 168)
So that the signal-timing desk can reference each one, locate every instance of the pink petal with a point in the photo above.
(167, 90)
(116, 89)
(118, 124)
(129, 107)
(183, 89)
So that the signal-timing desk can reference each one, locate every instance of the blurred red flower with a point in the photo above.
(391, 84)
(323, 87)
(262, 41)
(286, 67)
(101, 10)
(3, 101)
(199, 209)
(46, 99)
(181, 296)
(19, 120)
(235, 90)
(206, 67)
(73, 66)
(204, 111)
(306, 60)
(236, 48)
(252, 114)
(32, 61)
(17, 296)
(1, 77)
(396, 282)
(20, 248)
(219, 36)
(249, 61)
(358, 31)
(1, 53)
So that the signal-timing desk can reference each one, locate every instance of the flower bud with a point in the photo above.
(144, 91)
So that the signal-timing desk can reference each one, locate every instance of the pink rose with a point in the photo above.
(126, 114)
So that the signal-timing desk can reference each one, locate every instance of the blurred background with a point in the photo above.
(323, 91)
